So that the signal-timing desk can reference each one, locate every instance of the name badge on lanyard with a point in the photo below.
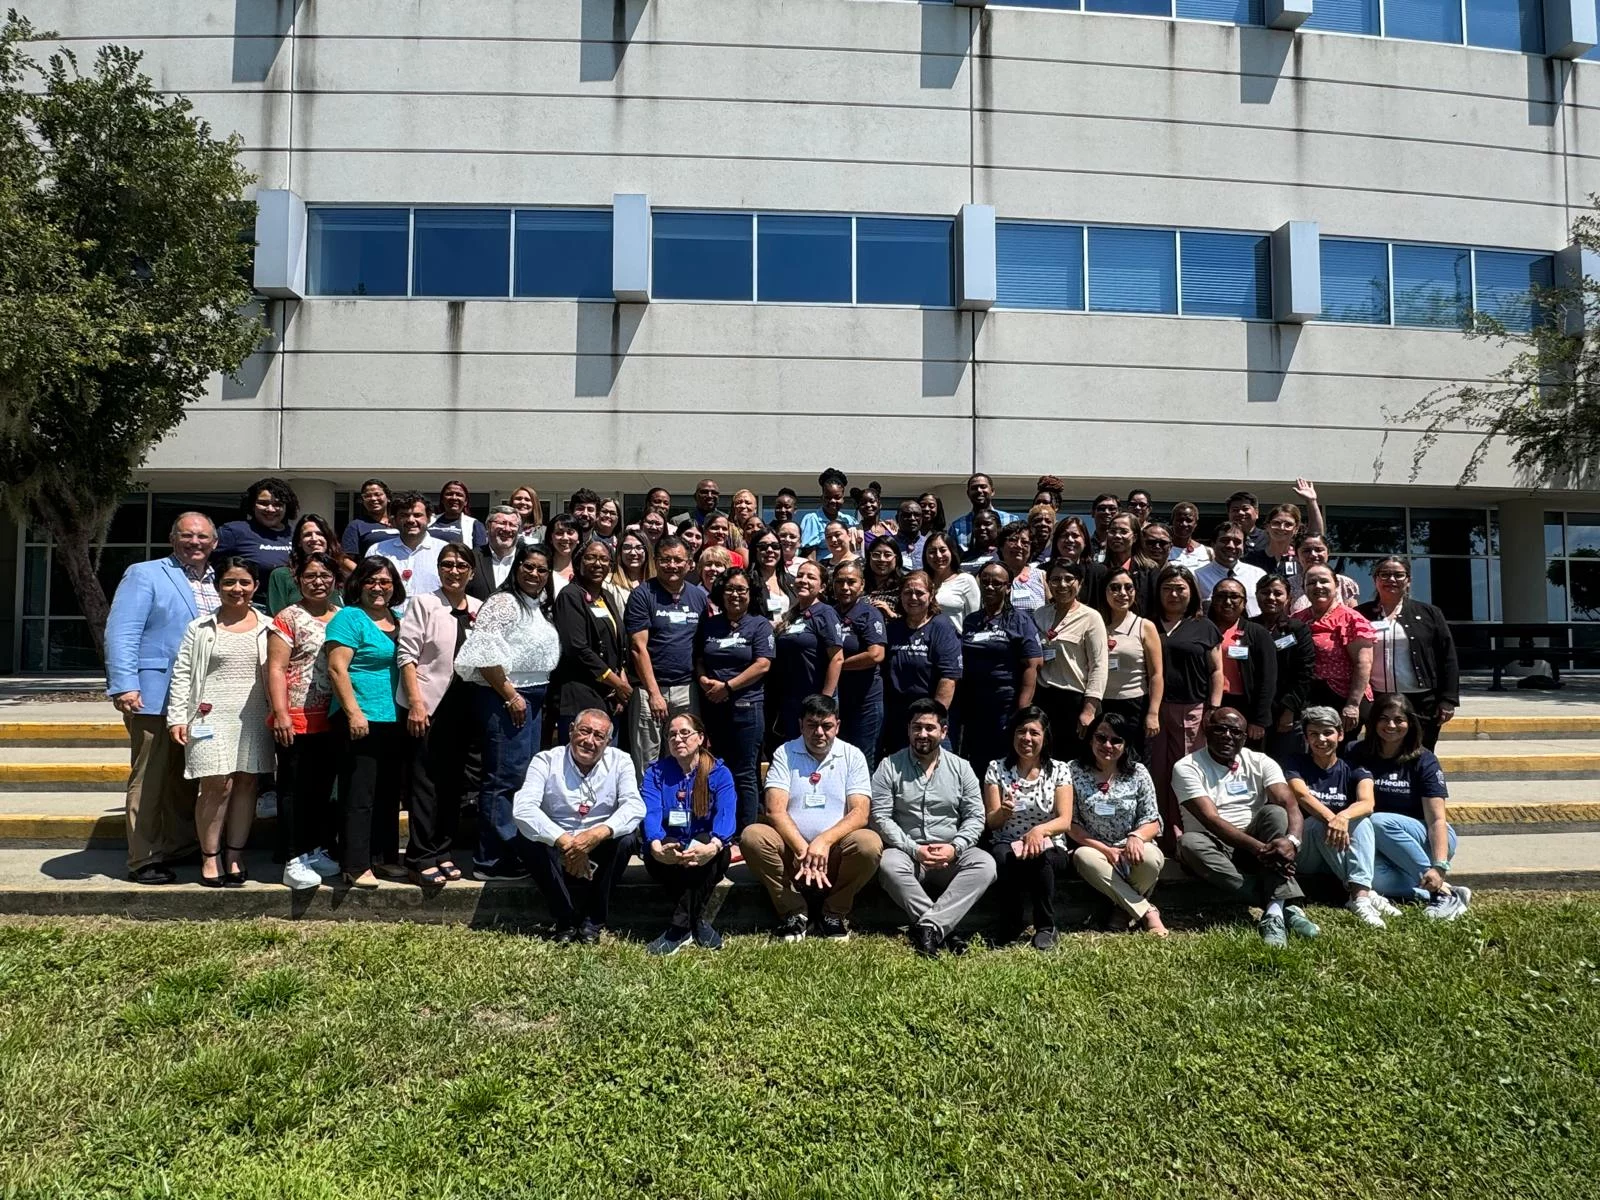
(1238, 787)
(678, 817)
(1239, 652)
(1382, 626)
(1284, 642)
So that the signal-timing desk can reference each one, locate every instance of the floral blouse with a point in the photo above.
(1111, 811)
(306, 673)
(1033, 801)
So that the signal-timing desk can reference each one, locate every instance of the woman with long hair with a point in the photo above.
(884, 577)
(983, 543)
(869, 513)
(526, 501)
(689, 824)
(1072, 681)
(1070, 542)
(932, 513)
(922, 659)
(1115, 822)
(954, 590)
(312, 535)
(1191, 661)
(1135, 678)
(563, 536)
(771, 587)
(1027, 801)
(1415, 652)
(635, 563)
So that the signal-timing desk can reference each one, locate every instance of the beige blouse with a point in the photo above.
(1074, 649)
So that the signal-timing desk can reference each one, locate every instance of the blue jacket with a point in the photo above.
(662, 783)
(153, 606)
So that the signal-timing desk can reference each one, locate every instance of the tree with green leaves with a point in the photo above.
(1545, 403)
(124, 286)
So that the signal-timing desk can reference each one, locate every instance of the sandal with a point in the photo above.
(450, 871)
(216, 881)
(430, 877)
(237, 875)
(1152, 923)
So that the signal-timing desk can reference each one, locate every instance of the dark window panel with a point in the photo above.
(461, 252)
(357, 251)
(701, 256)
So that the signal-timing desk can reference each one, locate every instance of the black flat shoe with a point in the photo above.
(216, 882)
(153, 873)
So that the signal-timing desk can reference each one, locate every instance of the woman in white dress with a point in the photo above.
(218, 713)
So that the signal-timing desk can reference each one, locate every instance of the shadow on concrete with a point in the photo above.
(247, 384)
(946, 36)
(946, 350)
(1269, 349)
(1547, 79)
(606, 27)
(259, 30)
(603, 334)
(1262, 54)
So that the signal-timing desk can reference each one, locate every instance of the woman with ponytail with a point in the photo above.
(690, 810)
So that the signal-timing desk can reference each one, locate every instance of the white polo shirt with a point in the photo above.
(1238, 792)
(818, 788)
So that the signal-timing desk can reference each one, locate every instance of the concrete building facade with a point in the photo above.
(1103, 122)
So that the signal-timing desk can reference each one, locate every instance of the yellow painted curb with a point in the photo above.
(1535, 766)
(1466, 728)
(109, 774)
(1537, 813)
(109, 826)
(55, 732)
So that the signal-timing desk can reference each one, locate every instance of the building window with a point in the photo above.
(1039, 266)
(1423, 20)
(1572, 577)
(1142, 8)
(1355, 281)
(1235, 12)
(1507, 283)
(1344, 16)
(563, 253)
(357, 251)
(902, 260)
(1453, 554)
(702, 256)
(1432, 285)
(1226, 274)
(461, 252)
(803, 259)
(1506, 24)
(1132, 270)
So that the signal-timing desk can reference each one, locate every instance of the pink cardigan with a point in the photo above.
(428, 641)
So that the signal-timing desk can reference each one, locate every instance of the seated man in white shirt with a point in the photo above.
(813, 842)
(1245, 834)
(581, 809)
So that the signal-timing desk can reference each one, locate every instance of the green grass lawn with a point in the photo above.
(319, 1060)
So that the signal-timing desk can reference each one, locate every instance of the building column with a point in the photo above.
(1522, 561)
(316, 496)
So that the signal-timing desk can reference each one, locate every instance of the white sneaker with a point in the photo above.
(266, 806)
(1365, 910)
(299, 874)
(320, 861)
(1447, 906)
(1385, 906)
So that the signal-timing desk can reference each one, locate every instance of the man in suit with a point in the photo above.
(153, 606)
(492, 563)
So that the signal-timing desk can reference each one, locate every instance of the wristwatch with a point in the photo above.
(1442, 866)
(1293, 839)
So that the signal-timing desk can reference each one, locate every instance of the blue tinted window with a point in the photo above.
(902, 261)
(1133, 270)
(564, 252)
(1432, 285)
(1038, 266)
(1239, 12)
(1226, 274)
(1344, 16)
(1505, 282)
(1067, 4)
(1422, 20)
(1147, 8)
(701, 256)
(461, 252)
(1506, 24)
(1355, 281)
(803, 259)
(357, 251)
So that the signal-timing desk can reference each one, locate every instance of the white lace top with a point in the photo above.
(514, 636)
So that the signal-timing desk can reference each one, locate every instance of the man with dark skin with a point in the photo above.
(661, 619)
(1244, 510)
(980, 493)
(1243, 827)
(706, 495)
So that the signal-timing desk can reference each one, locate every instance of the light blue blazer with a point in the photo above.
(153, 606)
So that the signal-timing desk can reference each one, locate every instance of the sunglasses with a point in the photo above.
(1106, 739)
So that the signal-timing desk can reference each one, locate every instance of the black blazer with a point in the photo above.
(1297, 666)
(590, 646)
(482, 585)
(1433, 647)
(1258, 672)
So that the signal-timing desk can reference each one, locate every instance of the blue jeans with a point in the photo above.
(735, 732)
(861, 723)
(1403, 855)
(507, 751)
(1353, 864)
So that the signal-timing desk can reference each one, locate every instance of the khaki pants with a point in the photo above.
(160, 801)
(851, 863)
(645, 733)
(1127, 894)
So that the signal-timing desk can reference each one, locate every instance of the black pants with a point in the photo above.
(370, 775)
(1020, 880)
(984, 735)
(307, 769)
(695, 883)
(735, 733)
(1133, 710)
(571, 900)
(1321, 693)
(439, 779)
(1063, 708)
(1427, 706)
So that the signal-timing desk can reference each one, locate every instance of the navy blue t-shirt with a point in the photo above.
(726, 650)
(916, 659)
(995, 651)
(448, 529)
(671, 625)
(362, 535)
(268, 549)
(1335, 786)
(863, 627)
(1401, 787)
(802, 649)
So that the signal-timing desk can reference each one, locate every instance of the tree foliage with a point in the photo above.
(1545, 403)
(124, 284)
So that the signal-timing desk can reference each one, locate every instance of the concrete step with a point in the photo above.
(48, 882)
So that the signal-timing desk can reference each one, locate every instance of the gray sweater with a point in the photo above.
(908, 812)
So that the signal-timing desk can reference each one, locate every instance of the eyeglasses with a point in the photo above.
(1393, 575)
(674, 735)
(1228, 598)
(1105, 508)
(1162, 542)
(454, 565)
(735, 591)
(1107, 739)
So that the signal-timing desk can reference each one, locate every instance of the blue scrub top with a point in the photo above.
(726, 650)
(268, 549)
(801, 651)
(994, 652)
(1335, 786)
(916, 659)
(671, 625)
(864, 626)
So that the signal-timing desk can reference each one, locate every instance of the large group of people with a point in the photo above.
(947, 707)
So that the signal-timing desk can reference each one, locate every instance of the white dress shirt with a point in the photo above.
(556, 798)
(418, 566)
